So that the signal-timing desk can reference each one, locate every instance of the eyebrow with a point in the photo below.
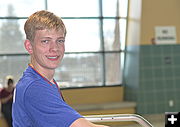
(51, 38)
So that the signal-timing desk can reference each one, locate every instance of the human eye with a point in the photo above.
(61, 41)
(44, 41)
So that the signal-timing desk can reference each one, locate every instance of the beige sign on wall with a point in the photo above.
(165, 35)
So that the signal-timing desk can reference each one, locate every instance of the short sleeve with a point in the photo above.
(46, 108)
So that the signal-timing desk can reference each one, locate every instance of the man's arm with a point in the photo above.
(82, 122)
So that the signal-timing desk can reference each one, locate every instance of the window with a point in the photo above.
(95, 40)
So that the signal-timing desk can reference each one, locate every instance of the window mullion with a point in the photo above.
(102, 43)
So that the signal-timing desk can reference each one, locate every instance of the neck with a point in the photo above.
(47, 73)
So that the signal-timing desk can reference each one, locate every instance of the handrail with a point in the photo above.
(119, 117)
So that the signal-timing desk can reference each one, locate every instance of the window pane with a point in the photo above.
(12, 65)
(113, 70)
(109, 8)
(74, 8)
(111, 34)
(11, 36)
(122, 33)
(21, 8)
(123, 7)
(114, 34)
(80, 70)
(82, 35)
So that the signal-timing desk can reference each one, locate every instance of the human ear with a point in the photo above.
(28, 46)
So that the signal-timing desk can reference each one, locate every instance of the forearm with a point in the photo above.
(6, 99)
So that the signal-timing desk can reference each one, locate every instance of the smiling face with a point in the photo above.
(47, 49)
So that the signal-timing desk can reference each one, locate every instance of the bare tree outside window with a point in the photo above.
(113, 63)
(11, 38)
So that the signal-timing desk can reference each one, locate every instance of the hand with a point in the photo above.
(81, 122)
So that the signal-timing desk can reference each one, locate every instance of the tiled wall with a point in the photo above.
(157, 87)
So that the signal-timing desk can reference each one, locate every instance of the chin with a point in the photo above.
(54, 66)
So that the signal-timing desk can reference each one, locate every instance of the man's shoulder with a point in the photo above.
(27, 78)
(25, 81)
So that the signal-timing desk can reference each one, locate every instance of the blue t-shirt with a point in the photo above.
(38, 103)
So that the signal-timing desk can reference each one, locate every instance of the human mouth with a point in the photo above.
(53, 57)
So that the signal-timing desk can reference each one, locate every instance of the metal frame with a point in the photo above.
(119, 117)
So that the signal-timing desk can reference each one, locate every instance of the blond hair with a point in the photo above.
(41, 20)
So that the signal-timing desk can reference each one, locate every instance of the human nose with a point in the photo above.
(53, 46)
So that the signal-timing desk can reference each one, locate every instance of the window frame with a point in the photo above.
(103, 51)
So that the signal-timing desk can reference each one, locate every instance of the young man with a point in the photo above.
(37, 99)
